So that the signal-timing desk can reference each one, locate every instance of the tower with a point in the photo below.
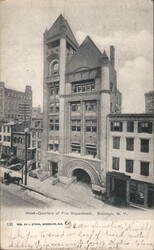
(59, 46)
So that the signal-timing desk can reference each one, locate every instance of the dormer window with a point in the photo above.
(54, 67)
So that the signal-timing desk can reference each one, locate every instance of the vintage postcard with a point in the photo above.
(76, 125)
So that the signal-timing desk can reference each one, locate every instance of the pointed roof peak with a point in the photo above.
(104, 55)
(56, 29)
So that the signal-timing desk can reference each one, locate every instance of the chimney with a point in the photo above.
(112, 55)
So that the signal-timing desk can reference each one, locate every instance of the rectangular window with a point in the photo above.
(91, 125)
(130, 144)
(54, 125)
(144, 170)
(39, 144)
(145, 127)
(76, 125)
(50, 147)
(8, 138)
(116, 142)
(33, 144)
(91, 150)
(115, 163)
(130, 126)
(75, 106)
(129, 166)
(145, 145)
(116, 126)
(33, 134)
(39, 134)
(90, 106)
(76, 147)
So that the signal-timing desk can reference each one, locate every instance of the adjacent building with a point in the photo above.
(36, 130)
(15, 105)
(130, 158)
(79, 91)
(36, 111)
(5, 139)
(149, 102)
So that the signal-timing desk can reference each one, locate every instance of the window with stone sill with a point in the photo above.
(76, 125)
(116, 142)
(75, 107)
(116, 126)
(145, 127)
(129, 166)
(130, 126)
(115, 163)
(144, 168)
(75, 147)
(54, 125)
(90, 106)
(145, 145)
(91, 125)
(91, 150)
(130, 144)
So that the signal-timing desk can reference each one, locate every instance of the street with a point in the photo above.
(14, 196)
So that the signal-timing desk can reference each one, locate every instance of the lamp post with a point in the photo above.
(26, 144)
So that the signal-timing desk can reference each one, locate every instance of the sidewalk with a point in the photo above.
(76, 194)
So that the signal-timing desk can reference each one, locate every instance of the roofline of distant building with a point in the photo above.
(132, 115)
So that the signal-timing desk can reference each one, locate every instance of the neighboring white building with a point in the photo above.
(36, 137)
(5, 138)
(131, 158)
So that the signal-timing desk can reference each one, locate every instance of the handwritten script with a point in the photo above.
(102, 235)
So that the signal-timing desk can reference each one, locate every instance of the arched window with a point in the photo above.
(54, 67)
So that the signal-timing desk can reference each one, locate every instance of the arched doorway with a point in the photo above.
(82, 176)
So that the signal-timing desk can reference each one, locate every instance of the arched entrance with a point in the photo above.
(81, 175)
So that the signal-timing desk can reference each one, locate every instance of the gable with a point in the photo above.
(87, 56)
(56, 29)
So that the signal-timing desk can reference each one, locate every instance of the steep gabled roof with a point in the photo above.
(55, 29)
(87, 56)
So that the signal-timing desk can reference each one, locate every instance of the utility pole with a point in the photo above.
(26, 142)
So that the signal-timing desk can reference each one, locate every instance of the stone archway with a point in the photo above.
(73, 165)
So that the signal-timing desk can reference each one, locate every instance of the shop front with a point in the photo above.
(122, 190)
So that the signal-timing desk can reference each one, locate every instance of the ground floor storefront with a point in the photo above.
(122, 190)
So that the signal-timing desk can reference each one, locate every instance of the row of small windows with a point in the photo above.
(4, 129)
(5, 138)
(90, 148)
(83, 87)
(22, 96)
(18, 140)
(143, 127)
(34, 144)
(129, 165)
(34, 134)
(89, 106)
(90, 125)
(144, 144)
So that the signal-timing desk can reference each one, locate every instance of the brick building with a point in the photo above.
(79, 91)
(15, 105)
(130, 158)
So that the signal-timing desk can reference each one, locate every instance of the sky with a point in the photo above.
(126, 24)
